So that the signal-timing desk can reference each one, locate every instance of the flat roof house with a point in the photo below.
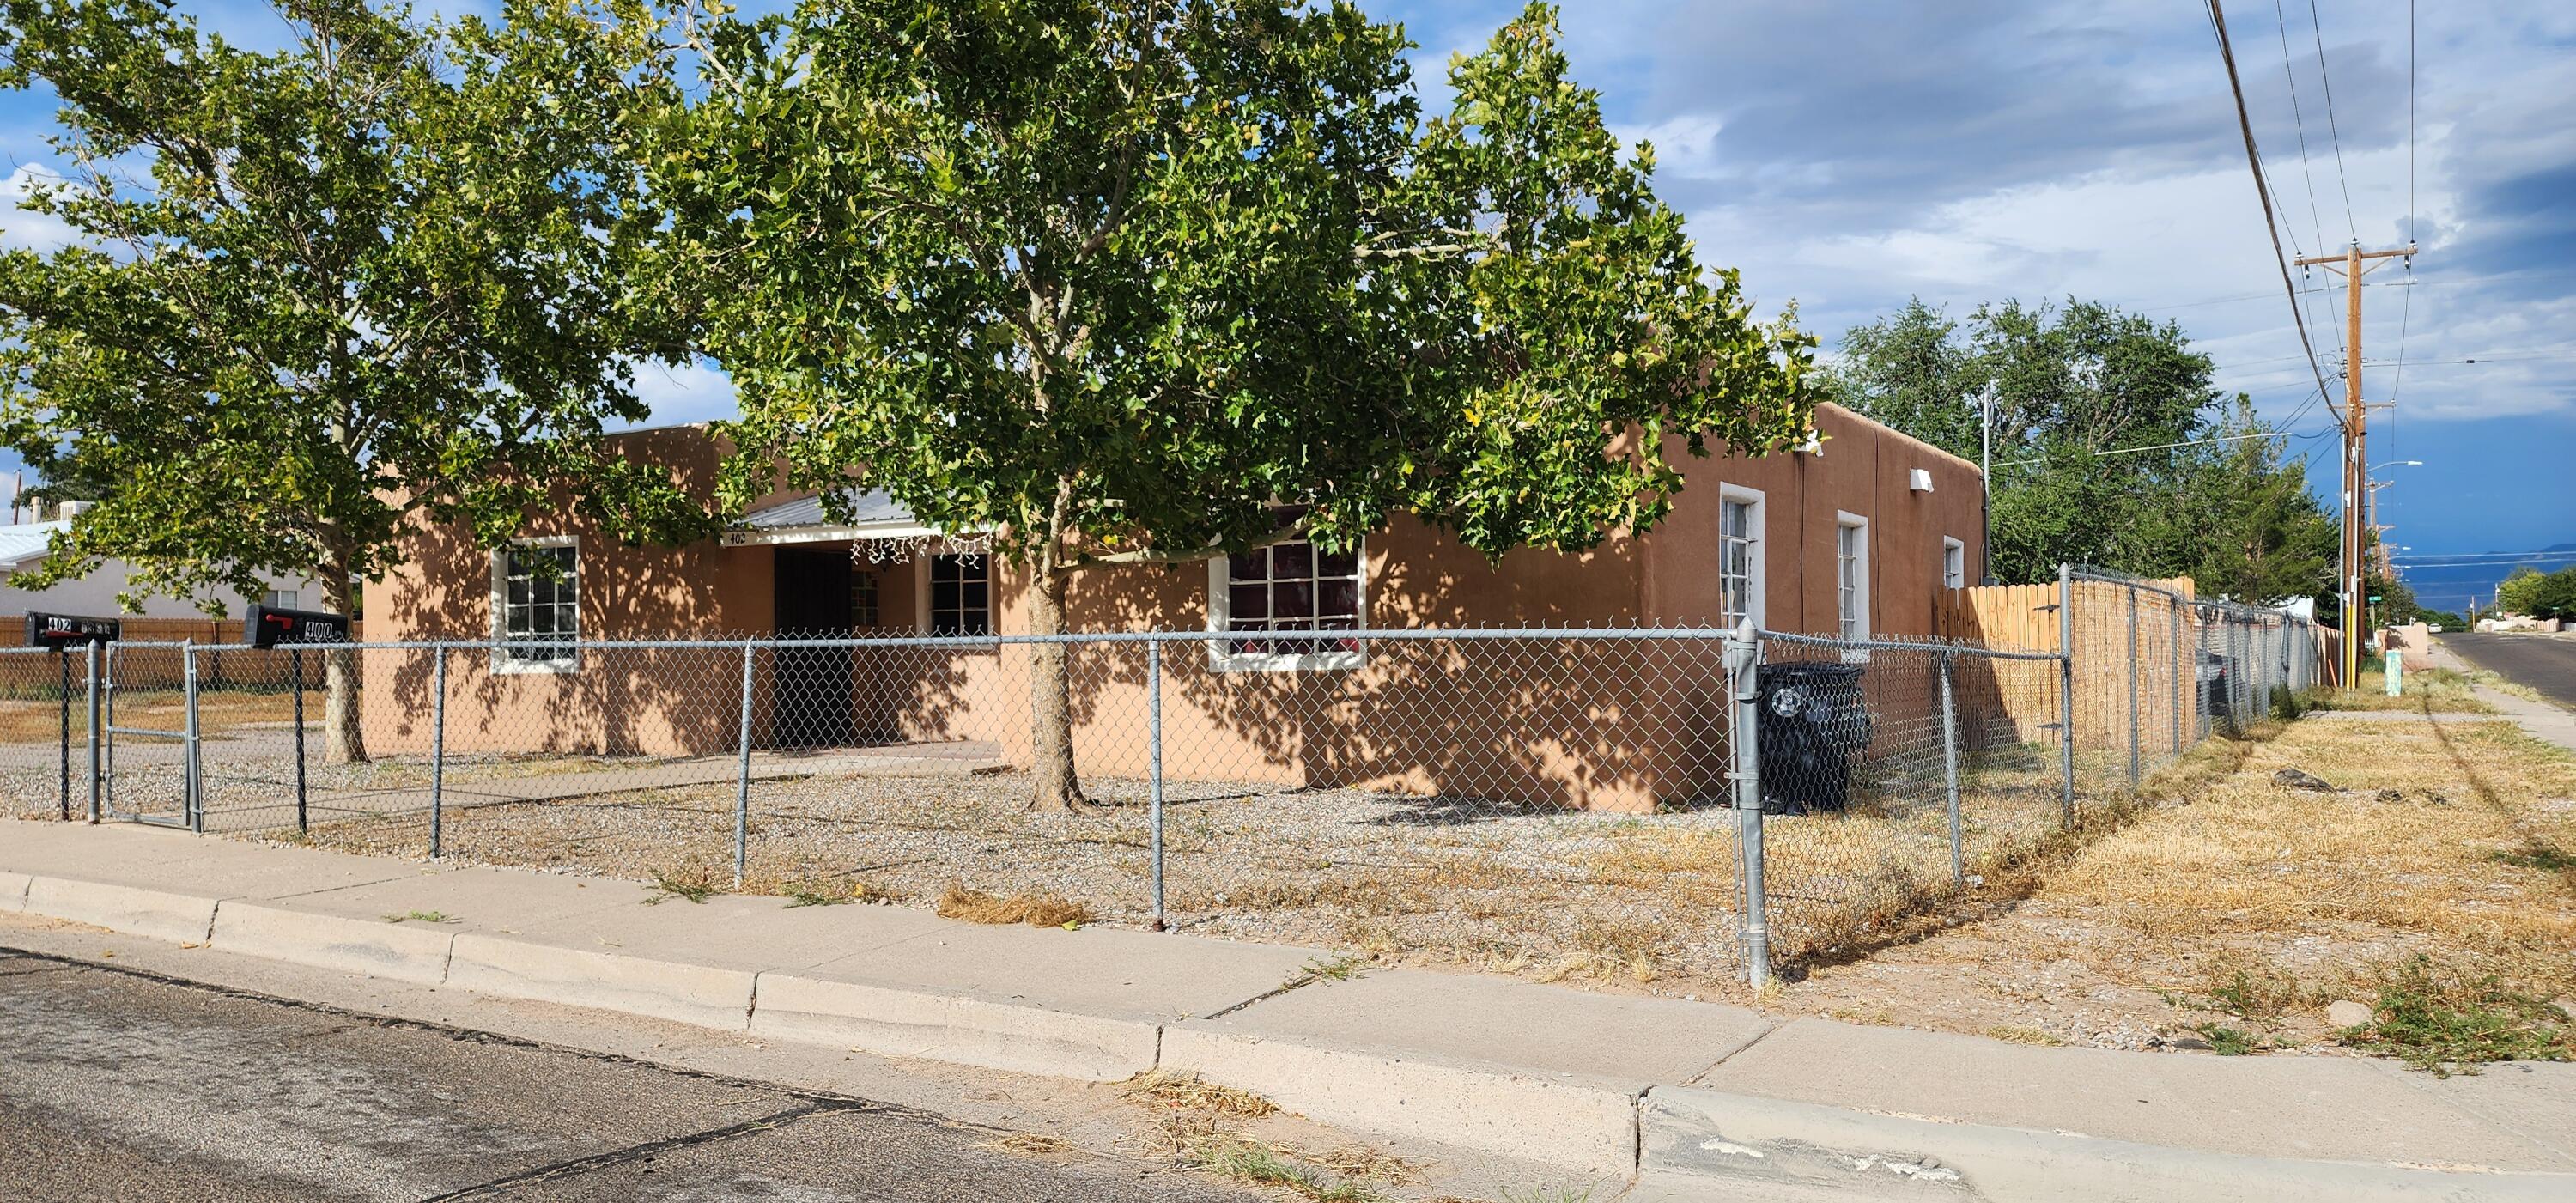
(1853, 539)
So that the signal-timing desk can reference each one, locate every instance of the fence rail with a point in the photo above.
(1611, 800)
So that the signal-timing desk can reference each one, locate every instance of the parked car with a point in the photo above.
(1815, 725)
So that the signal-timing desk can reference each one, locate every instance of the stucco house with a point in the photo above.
(1854, 536)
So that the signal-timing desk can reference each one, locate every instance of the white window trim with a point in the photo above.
(1845, 520)
(1220, 611)
(506, 665)
(1756, 585)
(921, 592)
(1948, 545)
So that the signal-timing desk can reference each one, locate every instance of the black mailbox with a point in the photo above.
(64, 630)
(271, 627)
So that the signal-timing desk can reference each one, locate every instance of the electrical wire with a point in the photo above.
(2263, 190)
(2316, 28)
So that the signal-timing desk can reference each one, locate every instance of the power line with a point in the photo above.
(2316, 29)
(2263, 189)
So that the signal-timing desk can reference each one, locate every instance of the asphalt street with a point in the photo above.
(115, 1085)
(2543, 662)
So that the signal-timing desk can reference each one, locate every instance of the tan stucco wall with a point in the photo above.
(1608, 725)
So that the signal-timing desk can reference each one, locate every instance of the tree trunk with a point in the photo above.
(345, 742)
(1050, 701)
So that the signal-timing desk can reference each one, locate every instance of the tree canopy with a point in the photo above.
(385, 271)
(1153, 282)
(2072, 382)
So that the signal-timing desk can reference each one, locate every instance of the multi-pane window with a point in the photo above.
(540, 605)
(1851, 579)
(961, 595)
(1737, 545)
(1276, 595)
(281, 599)
(1954, 564)
(863, 600)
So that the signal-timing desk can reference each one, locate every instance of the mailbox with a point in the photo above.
(66, 630)
(272, 627)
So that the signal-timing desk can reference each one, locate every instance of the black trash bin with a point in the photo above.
(1815, 725)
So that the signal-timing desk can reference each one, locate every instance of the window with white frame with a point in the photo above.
(1851, 574)
(1739, 556)
(1954, 564)
(1282, 603)
(536, 604)
(281, 599)
(961, 595)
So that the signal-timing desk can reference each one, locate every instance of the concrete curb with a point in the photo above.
(159, 914)
(372, 947)
(1589, 1127)
(1676, 1140)
(1688, 1133)
(960, 1029)
(693, 994)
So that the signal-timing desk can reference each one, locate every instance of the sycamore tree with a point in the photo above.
(377, 275)
(1146, 282)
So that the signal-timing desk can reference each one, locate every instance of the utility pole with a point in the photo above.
(2352, 265)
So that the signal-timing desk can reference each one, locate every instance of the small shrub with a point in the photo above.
(2287, 704)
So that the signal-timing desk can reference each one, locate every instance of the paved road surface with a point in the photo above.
(116, 1086)
(2543, 662)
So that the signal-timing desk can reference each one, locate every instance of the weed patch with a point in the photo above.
(692, 888)
(2444, 1021)
(422, 917)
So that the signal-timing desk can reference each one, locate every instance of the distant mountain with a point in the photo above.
(2440, 584)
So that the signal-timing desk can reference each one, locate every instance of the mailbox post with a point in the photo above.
(61, 632)
(270, 627)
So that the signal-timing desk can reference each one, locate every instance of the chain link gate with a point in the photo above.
(146, 769)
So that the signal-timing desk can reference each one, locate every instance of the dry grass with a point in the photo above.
(40, 721)
(1165, 1090)
(1030, 1144)
(2437, 880)
(2439, 690)
(1034, 909)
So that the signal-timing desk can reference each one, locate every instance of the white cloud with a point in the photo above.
(697, 392)
(22, 230)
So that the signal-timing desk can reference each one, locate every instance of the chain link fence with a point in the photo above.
(1596, 801)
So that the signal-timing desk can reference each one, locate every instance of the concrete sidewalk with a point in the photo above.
(1664, 1091)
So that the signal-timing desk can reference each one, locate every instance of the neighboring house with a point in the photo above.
(24, 546)
(1853, 538)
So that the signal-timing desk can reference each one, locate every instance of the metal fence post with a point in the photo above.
(742, 778)
(1743, 661)
(438, 752)
(94, 775)
(295, 657)
(63, 660)
(2066, 693)
(192, 779)
(1950, 775)
(2135, 738)
(1154, 764)
(2173, 613)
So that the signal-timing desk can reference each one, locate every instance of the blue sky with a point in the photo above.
(1850, 155)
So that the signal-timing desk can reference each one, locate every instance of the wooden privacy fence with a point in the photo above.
(2144, 657)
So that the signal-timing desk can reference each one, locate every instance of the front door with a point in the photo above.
(810, 686)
